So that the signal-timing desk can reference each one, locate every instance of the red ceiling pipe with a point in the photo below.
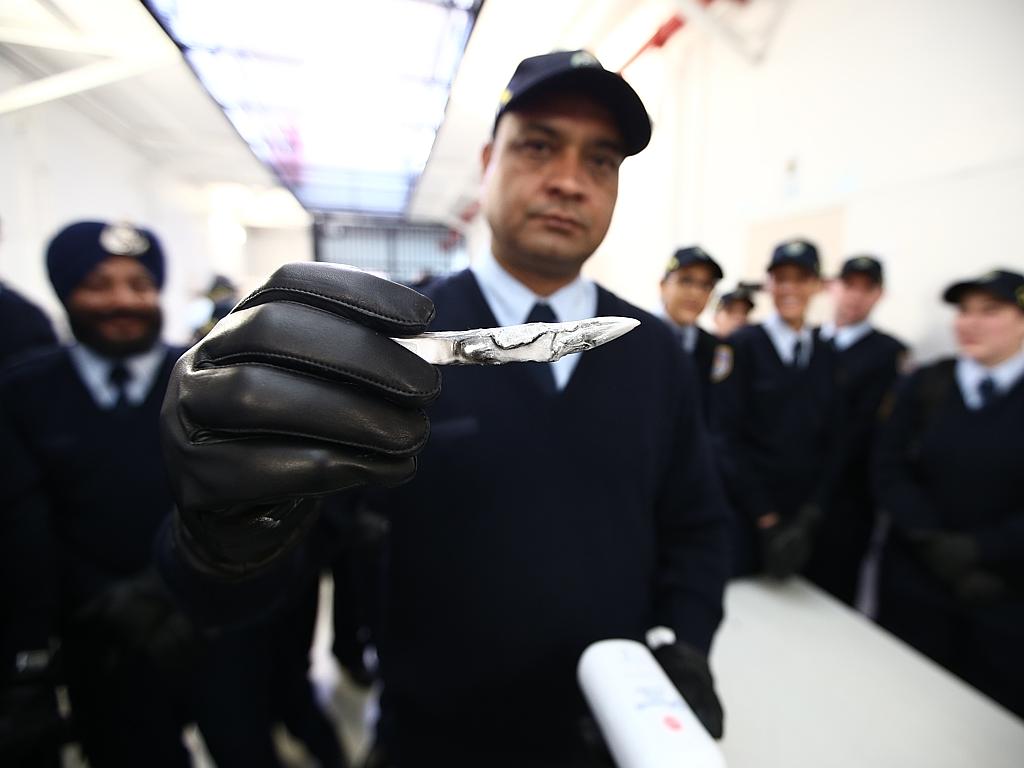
(662, 35)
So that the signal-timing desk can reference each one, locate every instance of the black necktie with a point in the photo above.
(541, 372)
(119, 377)
(798, 351)
(987, 390)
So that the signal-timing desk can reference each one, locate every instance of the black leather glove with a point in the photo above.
(980, 587)
(950, 557)
(137, 618)
(31, 727)
(297, 393)
(688, 670)
(786, 546)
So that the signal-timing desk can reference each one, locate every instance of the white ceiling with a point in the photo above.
(110, 59)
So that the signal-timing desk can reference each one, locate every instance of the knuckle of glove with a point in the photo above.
(348, 292)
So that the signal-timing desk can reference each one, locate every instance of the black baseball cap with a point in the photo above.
(740, 294)
(580, 71)
(1002, 284)
(802, 253)
(693, 254)
(863, 265)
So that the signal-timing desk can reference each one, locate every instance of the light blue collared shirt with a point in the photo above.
(784, 340)
(846, 336)
(687, 333)
(511, 301)
(970, 373)
(94, 370)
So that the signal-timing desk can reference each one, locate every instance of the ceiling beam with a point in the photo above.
(78, 80)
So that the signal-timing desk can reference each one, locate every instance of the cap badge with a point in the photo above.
(583, 59)
(506, 97)
(863, 262)
(794, 248)
(673, 265)
(122, 239)
(1020, 296)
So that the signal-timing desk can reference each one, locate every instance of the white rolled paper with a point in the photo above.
(645, 721)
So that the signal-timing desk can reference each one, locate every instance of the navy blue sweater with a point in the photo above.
(84, 489)
(942, 466)
(780, 425)
(536, 526)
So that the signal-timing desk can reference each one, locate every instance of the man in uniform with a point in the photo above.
(947, 471)
(869, 363)
(776, 406)
(690, 277)
(85, 494)
(554, 504)
(733, 311)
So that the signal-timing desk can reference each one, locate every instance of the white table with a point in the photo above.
(807, 681)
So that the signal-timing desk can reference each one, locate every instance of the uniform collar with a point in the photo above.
(847, 335)
(510, 302)
(970, 373)
(94, 370)
(784, 339)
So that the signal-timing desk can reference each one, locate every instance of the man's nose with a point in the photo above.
(567, 174)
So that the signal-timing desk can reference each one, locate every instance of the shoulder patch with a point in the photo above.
(721, 365)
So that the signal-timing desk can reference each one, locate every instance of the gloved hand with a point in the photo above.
(31, 726)
(949, 556)
(297, 393)
(689, 672)
(138, 617)
(786, 546)
(980, 587)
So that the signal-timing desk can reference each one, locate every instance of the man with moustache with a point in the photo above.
(777, 408)
(85, 490)
(690, 277)
(554, 504)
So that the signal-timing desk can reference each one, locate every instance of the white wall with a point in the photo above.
(58, 165)
(893, 127)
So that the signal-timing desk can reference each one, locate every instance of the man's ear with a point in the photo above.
(485, 156)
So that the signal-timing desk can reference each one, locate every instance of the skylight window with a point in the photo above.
(342, 98)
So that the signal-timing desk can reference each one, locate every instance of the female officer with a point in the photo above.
(947, 467)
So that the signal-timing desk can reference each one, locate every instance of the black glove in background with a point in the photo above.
(689, 672)
(31, 726)
(950, 557)
(297, 393)
(787, 546)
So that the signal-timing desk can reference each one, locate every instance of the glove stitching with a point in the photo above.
(333, 300)
(245, 358)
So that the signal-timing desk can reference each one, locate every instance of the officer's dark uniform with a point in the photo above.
(703, 348)
(25, 325)
(948, 477)
(868, 369)
(779, 449)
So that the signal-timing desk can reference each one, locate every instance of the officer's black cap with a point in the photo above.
(863, 265)
(739, 295)
(1000, 283)
(802, 253)
(580, 71)
(693, 254)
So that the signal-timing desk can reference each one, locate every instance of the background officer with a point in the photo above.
(776, 404)
(948, 471)
(869, 364)
(733, 311)
(85, 493)
(553, 506)
(690, 277)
